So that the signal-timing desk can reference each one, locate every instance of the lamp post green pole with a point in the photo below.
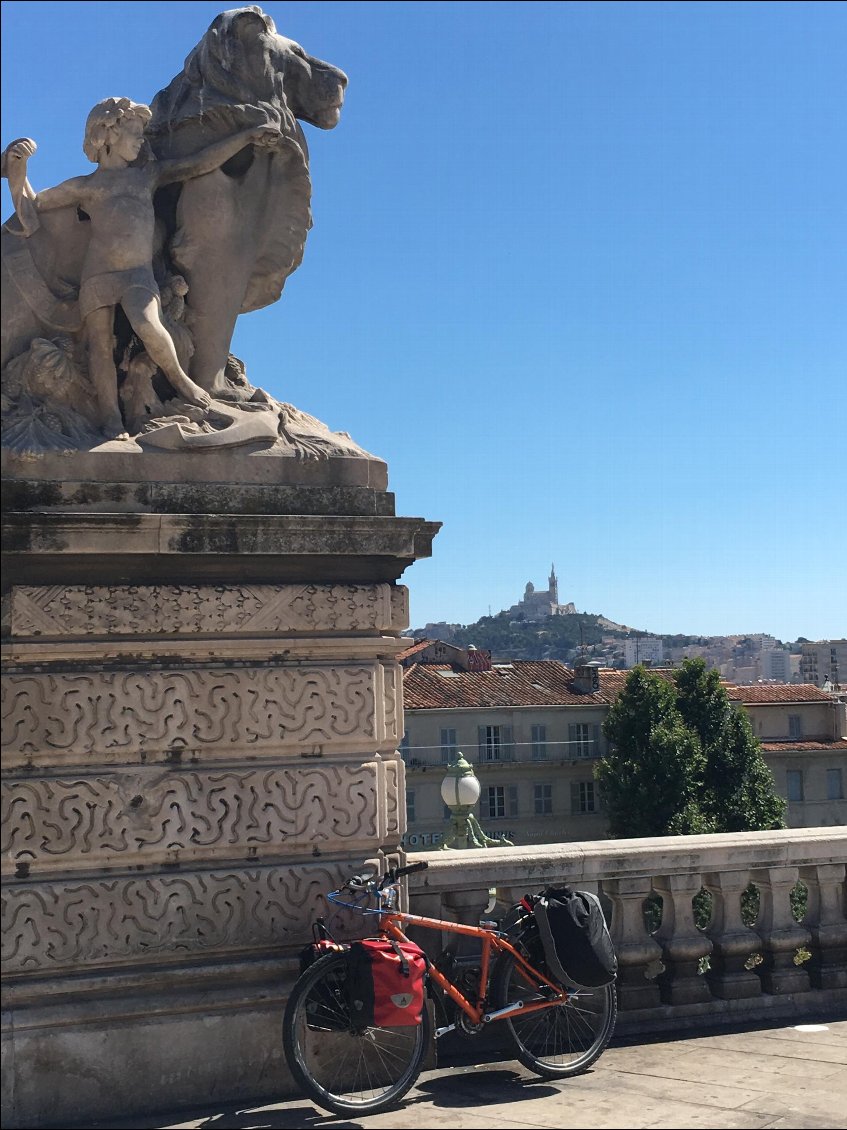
(460, 791)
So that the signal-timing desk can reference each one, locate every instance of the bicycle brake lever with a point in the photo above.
(358, 882)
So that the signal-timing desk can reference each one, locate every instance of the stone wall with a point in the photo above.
(187, 770)
(199, 739)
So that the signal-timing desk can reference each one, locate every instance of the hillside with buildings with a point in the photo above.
(539, 627)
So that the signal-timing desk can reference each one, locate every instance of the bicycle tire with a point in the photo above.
(343, 1070)
(556, 1042)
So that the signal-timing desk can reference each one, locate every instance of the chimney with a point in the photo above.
(586, 679)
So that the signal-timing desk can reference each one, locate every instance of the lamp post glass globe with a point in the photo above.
(460, 788)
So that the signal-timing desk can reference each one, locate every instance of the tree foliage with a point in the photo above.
(683, 759)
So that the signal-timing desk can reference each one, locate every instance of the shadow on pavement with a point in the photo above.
(482, 1087)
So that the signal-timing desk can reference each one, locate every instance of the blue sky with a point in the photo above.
(577, 274)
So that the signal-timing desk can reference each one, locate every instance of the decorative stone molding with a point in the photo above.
(733, 942)
(394, 796)
(683, 944)
(781, 934)
(639, 955)
(103, 610)
(827, 925)
(110, 716)
(66, 926)
(156, 816)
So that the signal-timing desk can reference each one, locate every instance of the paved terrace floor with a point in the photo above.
(792, 1077)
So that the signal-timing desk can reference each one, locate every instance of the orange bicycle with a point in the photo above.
(556, 1030)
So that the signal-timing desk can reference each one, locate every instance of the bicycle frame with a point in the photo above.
(391, 925)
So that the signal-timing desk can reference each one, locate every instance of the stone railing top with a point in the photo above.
(595, 860)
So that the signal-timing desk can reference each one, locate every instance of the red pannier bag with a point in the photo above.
(386, 983)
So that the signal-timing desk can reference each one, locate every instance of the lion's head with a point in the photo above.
(243, 63)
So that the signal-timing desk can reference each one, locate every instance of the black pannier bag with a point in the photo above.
(578, 949)
(327, 1009)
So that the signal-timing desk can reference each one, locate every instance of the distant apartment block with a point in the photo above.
(643, 649)
(775, 665)
(824, 662)
(803, 731)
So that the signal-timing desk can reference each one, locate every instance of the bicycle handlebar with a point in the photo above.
(391, 876)
(395, 873)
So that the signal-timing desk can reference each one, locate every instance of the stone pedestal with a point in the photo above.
(201, 710)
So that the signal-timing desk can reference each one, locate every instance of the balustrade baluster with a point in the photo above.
(827, 925)
(683, 945)
(733, 942)
(781, 935)
(639, 955)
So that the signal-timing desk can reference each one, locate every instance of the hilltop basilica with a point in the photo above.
(537, 604)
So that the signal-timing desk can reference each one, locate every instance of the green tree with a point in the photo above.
(652, 777)
(683, 759)
(738, 788)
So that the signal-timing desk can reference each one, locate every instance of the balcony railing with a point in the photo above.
(705, 927)
(420, 757)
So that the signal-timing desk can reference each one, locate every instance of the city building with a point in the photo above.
(643, 649)
(531, 729)
(803, 731)
(533, 732)
(775, 665)
(824, 662)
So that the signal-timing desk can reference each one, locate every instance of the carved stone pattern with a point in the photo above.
(56, 610)
(55, 926)
(160, 814)
(393, 691)
(399, 606)
(122, 713)
(395, 818)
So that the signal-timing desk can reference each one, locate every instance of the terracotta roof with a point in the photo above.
(548, 682)
(418, 645)
(791, 744)
(524, 682)
(776, 692)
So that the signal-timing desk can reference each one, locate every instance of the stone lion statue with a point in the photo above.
(234, 234)
(239, 232)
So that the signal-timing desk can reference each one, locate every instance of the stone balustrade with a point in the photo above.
(704, 926)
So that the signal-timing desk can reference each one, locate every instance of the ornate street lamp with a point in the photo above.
(460, 791)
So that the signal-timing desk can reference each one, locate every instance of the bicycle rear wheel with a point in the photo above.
(344, 1070)
(559, 1041)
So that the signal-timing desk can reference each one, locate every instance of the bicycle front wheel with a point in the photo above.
(344, 1070)
(561, 1040)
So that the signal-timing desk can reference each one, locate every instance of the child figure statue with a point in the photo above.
(118, 266)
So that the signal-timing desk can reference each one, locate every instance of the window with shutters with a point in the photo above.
(583, 798)
(539, 743)
(410, 806)
(543, 797)
(449, 745)
(583, 740)
(496, 802)
(794, 782)
(495, 743)
(795, 726)
(502, 801)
